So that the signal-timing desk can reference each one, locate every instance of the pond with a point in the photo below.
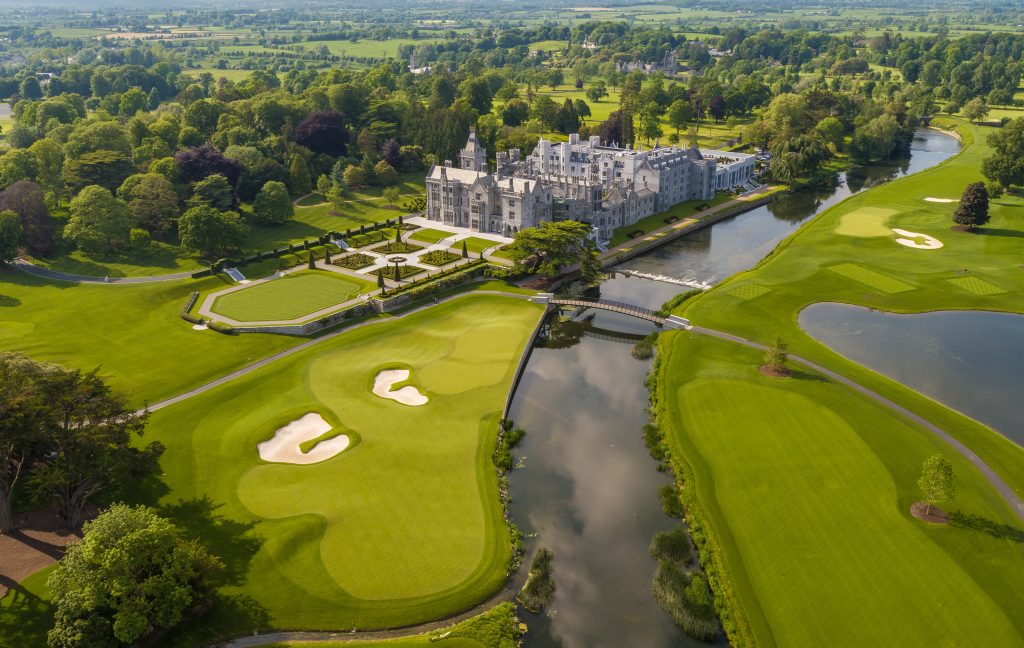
(972, 361)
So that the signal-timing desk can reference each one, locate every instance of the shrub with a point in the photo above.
(686, 599)
(674, 303)
(673, 546)
(539, 589)
(654, 442)
(439, 257)
(670, 503)
(220, 328)
(508, 438)
(635, 233)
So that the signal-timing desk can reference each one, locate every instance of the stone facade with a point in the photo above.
(604, 185)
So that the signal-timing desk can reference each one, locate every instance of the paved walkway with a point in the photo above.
(506, 594)
(994, 479)
(46, 273)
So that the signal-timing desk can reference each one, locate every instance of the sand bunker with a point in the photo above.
(285, 447)
(912, 238)
(940, 200)
(407, 395)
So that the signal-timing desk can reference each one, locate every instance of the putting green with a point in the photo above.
(404, 527)
(289, 297)
(866, 222)
(806, 486)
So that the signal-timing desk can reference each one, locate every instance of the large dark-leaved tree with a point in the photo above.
(87, 436)
(22, 408)
(201, 161)
(973, 208)
(132, 575)
(324, 132)
(25, 198)
(550, 248)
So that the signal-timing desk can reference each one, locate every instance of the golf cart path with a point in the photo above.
(46, 273)
(994, 479)
(507, 593)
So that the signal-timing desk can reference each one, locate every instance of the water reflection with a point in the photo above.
(714, 253)
(589, 490)
(938, 354)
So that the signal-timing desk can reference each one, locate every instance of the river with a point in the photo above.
(586, 487)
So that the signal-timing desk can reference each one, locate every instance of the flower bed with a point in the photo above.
(439, 257)
(403, 271)
(397, 247)
(353, 261)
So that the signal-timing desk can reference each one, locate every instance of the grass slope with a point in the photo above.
(132, 333)
(290, 297)
(807, 486)
(404, 527)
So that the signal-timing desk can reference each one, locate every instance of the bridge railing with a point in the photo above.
(608, 304)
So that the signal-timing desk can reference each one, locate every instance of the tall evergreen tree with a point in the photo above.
(973, 208)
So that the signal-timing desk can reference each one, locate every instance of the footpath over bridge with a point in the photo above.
(672, 321)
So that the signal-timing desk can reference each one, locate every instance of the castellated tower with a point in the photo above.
(473, 157)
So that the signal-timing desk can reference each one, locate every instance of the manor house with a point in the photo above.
(604, 185)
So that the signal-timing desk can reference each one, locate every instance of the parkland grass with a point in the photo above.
(402, 528)
(290, 297)
(796, 518)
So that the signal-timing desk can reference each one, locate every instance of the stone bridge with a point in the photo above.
(672, 321)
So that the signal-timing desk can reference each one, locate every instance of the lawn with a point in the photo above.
(160, 259)
(819, 544)
(823, 262)
(363, 207)
(475, 244)
(685, 209)
(404, 526)
(290, 297)
(131, 333)
(430, 235)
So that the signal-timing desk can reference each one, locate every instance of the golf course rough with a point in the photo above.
(804, 485)
(403, 527)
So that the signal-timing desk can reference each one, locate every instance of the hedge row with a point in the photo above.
(186, 310)
(426, 286)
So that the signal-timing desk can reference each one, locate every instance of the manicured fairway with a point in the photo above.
(403, 527)
(429, 235)
(800, 526)
(290, 297)
(131, 333)
(807, 486)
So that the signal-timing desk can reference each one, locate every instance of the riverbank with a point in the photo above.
(819, 264)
